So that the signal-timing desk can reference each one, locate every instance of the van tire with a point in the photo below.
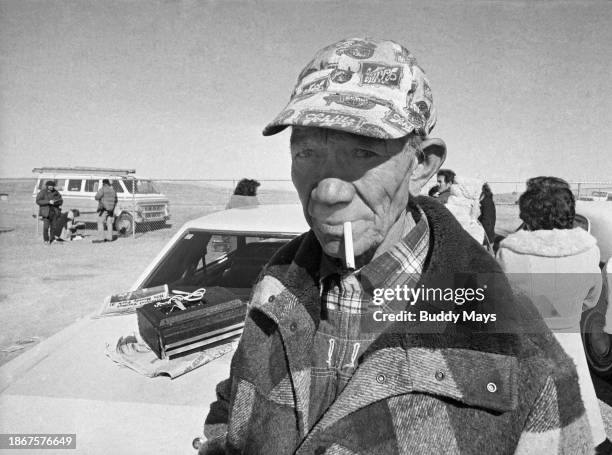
(124, 225)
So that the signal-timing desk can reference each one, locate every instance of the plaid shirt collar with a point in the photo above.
(401, 264)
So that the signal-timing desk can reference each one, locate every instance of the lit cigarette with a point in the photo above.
(349, 254)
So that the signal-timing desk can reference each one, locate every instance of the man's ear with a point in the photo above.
(434, 154)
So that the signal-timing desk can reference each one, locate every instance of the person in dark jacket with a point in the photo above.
(487, 213)
(319, 369)
(107, 201)
(49, 201)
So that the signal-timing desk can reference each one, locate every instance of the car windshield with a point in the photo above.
(138, 186)
(206, 259)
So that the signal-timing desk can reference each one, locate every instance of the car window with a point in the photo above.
(582, 222)
(204, 259)
(74, 184)
(92, 185)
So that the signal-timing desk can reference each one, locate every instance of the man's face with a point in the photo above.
(345, 177)
(442, 184)
(50, 187)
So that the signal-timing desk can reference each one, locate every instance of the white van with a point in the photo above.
(138, 200)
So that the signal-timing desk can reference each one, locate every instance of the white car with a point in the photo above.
(598, 344)
(67, 385)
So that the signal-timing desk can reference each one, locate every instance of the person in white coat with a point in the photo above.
(464, 204)
(557, 266)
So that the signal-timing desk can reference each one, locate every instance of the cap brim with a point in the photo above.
(271, 129)
(344, 111)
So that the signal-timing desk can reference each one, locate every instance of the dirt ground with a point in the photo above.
(45, 288)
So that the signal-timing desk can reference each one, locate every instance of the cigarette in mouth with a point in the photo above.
(349, 254)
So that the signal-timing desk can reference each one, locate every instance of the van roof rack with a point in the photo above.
(83, 170)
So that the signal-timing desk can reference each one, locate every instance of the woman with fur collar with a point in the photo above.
(557, 266)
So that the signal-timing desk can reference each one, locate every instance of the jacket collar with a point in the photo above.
(454, 258)
(550, 243)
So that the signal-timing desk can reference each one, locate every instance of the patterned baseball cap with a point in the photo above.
(361, 86)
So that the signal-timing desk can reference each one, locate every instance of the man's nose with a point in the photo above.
(333, 191)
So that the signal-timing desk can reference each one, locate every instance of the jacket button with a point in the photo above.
(491, 387)
(439, 375)
(197, 442)
(271, 298)
(293, 326)
(380, 378)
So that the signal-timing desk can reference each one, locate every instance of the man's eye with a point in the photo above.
(363, 153)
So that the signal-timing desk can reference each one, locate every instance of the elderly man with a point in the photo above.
(320, 367)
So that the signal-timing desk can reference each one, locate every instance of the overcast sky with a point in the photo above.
(182, 89)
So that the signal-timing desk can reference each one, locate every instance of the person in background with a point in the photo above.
(67, 225)
(487, 213)
(49, 201)
(245, 194)
(463, 203)
(557, 266)
(546, 181)
(107, 201)
(445, 178)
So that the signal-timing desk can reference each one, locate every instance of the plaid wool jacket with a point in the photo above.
(463, 389)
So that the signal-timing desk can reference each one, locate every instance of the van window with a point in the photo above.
(91, 186)
(74, 184)
(117, 186)
(59, 183)
(141, 186)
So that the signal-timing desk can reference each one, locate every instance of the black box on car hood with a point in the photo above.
(170, 330)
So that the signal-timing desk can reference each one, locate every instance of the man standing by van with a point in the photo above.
(107, 200)
(49, 201)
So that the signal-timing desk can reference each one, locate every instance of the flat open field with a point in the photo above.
(45, 288)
